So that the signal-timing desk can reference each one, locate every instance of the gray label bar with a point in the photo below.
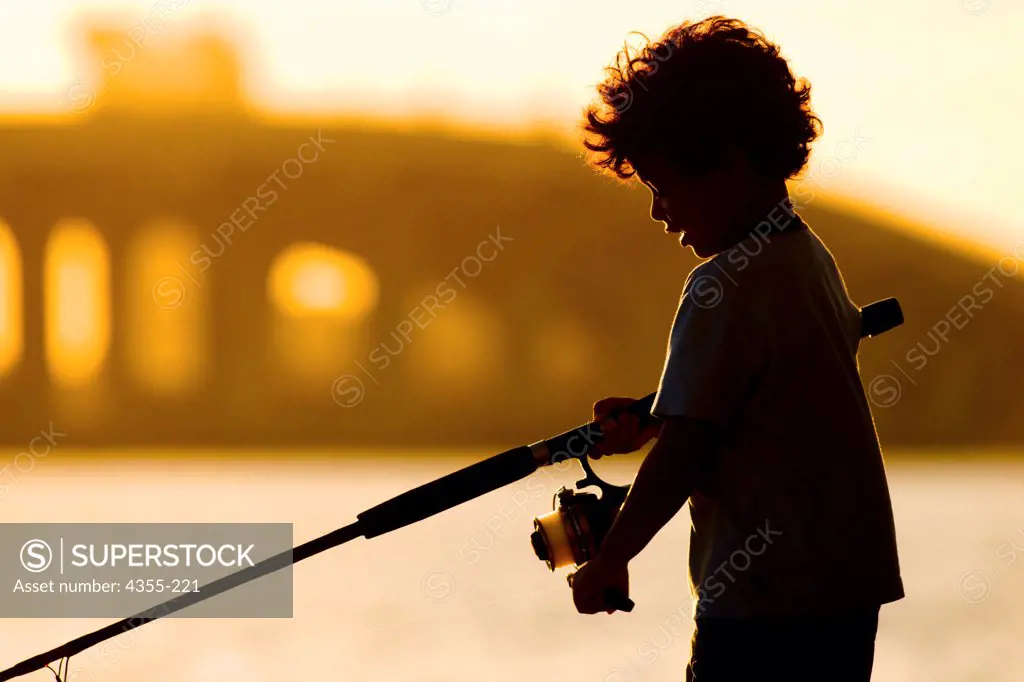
(116, 570)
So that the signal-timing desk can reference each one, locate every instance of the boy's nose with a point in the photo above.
(658, 210)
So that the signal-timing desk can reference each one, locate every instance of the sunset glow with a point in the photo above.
(11, 309)
(309, 280)
(77, 294)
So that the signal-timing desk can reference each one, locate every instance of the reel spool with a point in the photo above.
(573, 531)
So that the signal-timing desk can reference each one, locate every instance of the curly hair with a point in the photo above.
(701, 91)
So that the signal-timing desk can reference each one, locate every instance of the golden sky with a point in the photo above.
(921, 99)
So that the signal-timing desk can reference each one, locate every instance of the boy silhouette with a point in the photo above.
(763, 423)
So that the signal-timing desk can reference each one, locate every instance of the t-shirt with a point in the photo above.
(792, 515)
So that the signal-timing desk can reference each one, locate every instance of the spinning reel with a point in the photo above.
(572, 532)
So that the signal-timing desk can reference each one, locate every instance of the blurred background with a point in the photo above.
(256, 256)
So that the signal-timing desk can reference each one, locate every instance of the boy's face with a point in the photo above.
(701, 210)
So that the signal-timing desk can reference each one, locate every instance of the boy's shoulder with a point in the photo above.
(763, 280)
(769, 262)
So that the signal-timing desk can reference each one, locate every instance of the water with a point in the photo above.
(461, 596)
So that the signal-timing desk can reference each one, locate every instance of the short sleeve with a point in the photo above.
(714, 355)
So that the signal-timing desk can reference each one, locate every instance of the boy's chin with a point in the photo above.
(701, 250)
(700, 247)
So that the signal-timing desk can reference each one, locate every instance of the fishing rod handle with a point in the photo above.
(487, 475)
(879, 317)
(448, 491)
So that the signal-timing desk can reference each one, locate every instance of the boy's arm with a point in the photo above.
(665, 481)
(714, 355)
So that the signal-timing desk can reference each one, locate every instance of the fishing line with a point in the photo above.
(61, 673)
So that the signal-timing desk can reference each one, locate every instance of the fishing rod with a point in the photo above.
(569, 535)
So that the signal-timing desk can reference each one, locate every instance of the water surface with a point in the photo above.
(462, 597)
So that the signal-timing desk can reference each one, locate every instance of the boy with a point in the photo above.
(764, 427)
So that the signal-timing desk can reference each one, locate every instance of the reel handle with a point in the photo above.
(612, 597)
(618, 601)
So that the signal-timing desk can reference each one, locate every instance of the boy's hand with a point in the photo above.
(590, 582)
(621, 435)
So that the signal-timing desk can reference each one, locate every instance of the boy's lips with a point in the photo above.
(672, 229)
(682, 234)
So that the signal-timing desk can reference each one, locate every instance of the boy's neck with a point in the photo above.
(771, 205)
